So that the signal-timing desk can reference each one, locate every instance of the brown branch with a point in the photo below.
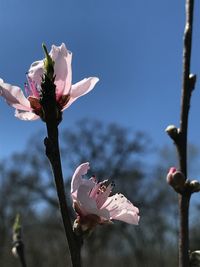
(187, 87)
(180, 137)
(52, 117)
(184, 201)
(181, 140)
(53, 154)
(20, 252)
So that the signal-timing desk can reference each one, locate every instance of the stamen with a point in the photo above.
(33, 88)
(93, 178)
(103, 192)
(93, 191)
(26, 88)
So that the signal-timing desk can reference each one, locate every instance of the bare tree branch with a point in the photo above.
(180, 137)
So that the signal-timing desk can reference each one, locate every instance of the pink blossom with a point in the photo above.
(93, 203)
(170, 175)
(176, 179)
(29, 108)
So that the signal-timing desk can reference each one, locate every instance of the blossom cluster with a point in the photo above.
(92, 200)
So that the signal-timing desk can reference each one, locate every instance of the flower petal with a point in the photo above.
(36, 71)
(122, 209)
(14, 96)
(81, 88)
(32, 87)
(85, 201)
(128, 217)
(77, 177)
(26, 115)
(88, 205)
(102, 196)
(62, 69)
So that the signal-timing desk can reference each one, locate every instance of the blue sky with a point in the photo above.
(134, 47)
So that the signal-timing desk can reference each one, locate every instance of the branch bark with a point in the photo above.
(179, 137)
(52, 117)
(20, 252)
(187, 87)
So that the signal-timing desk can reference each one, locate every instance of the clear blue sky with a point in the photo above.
(134, 47)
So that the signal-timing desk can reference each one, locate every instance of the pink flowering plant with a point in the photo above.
(29, 107)
(93, 203)
(178, 178)
(49, 91)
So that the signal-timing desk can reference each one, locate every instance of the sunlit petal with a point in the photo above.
(14, 96)
(26, 115)
(81, 88)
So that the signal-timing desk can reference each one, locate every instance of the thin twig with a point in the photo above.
(180, 137)
(53, 154)
(20, 252)
(187, 87)
(52, 116)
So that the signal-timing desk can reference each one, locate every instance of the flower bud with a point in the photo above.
(14, 252)
(192, 81)
(48, 64)
(195, 259)
(18, 246)
(172, 131)
(176, 179)
(195, 186)
(169, 178)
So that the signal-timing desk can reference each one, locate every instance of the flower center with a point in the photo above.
(101, 192)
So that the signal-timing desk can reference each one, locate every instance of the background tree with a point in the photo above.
(115, 153)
